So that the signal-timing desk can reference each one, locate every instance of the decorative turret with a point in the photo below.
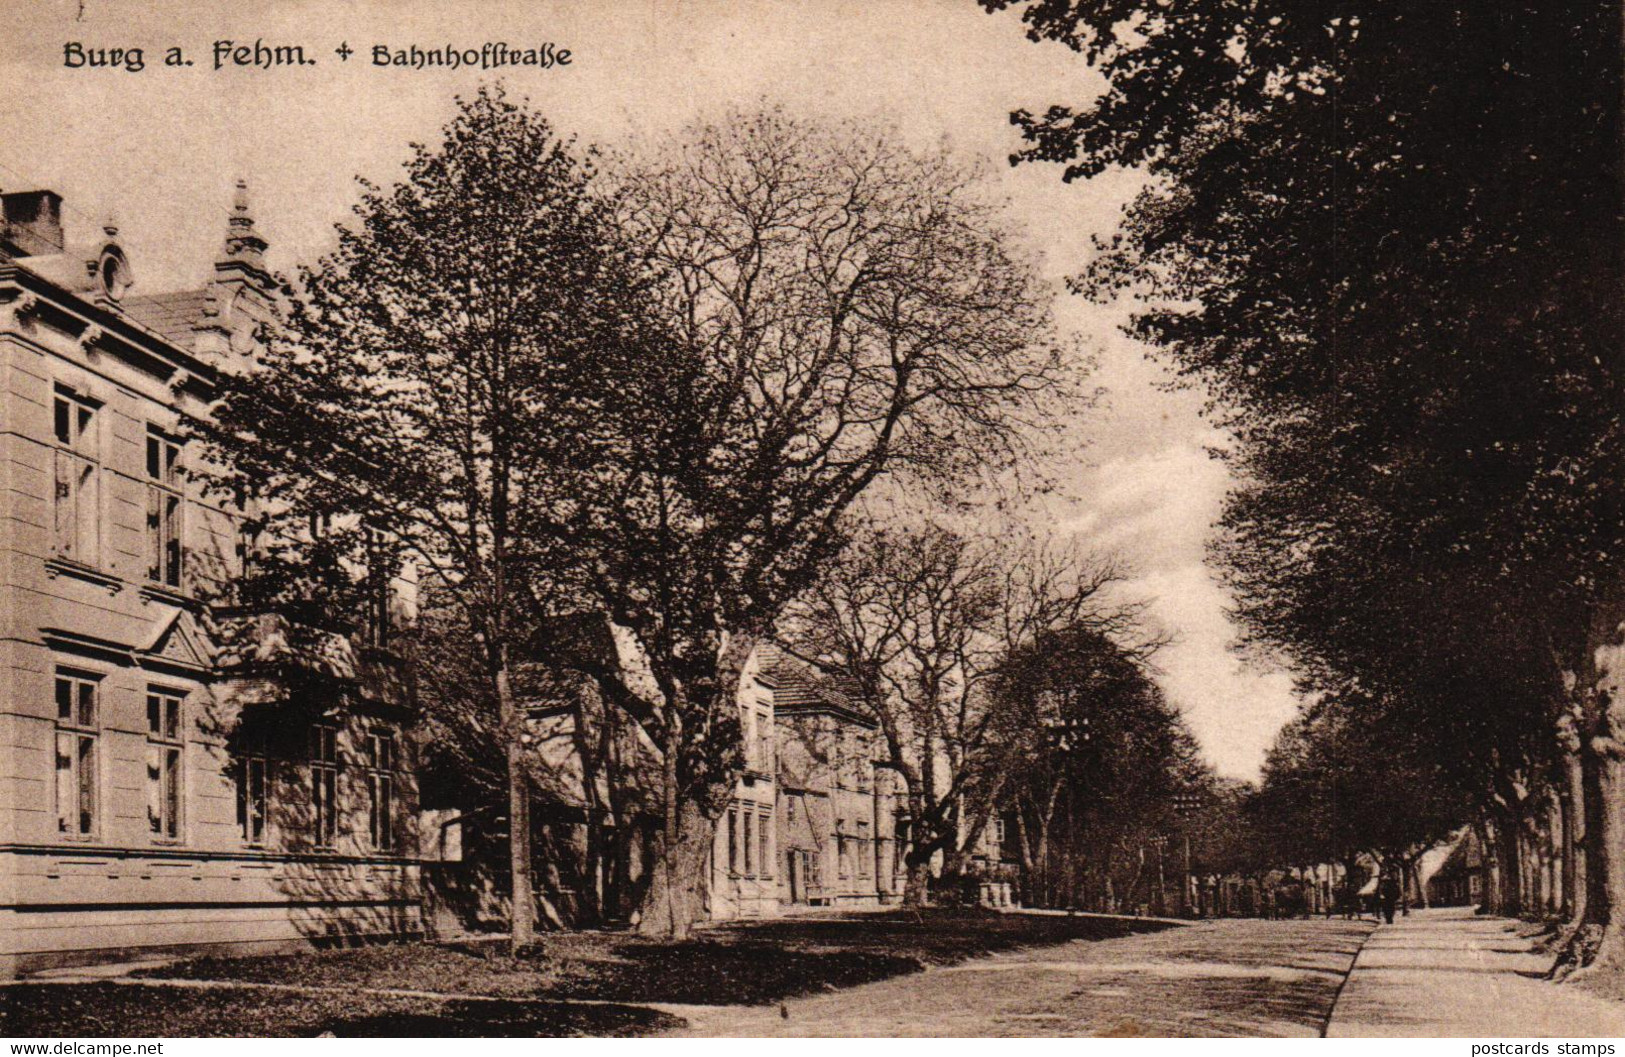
(243, 243)
(239, 300)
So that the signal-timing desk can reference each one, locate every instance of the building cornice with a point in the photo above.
(108, 331)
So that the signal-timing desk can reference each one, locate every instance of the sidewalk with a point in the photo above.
(1451, 973)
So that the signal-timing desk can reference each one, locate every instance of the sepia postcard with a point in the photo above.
(823, 518)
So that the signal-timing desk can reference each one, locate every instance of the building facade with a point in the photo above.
(174, 773)
(816, 817)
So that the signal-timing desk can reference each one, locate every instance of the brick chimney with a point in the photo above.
(30, 223)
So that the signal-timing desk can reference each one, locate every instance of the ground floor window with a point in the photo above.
(324, 783)
(77, 731)
(166, 751)
(381, 789)
(253, 796)
(764, 822)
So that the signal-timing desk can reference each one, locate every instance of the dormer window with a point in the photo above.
(112, 273)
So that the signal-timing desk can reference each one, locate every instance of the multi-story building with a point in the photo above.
(814, 817)
(173, 774)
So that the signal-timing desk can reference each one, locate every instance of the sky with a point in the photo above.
(157, 152)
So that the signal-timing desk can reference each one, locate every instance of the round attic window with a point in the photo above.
(114, 274)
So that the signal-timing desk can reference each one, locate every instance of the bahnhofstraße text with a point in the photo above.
(260, 55)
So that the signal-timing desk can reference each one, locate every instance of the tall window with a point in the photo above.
(863, 850)
(380, 789)
(764, 741)
(163, 509)
(253, 795)
(377, 615)
(77, 722)
(843, 851)
(733, 840)
(747, 723)
(764, 833)
(750, 845)
(381, 563)
(166, 751)
(75, 500)
(247, 533)
(324, 785)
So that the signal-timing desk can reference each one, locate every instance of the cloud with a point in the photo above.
(1153, 505)
(1233, 709)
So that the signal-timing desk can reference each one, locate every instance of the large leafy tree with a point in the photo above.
(437, 378)
(1349, 778)
(1096, 760)
(1387, 238)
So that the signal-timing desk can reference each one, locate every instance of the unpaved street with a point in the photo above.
(1434, 973)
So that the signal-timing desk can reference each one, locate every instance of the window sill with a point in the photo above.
(59, 566)
(156, 592)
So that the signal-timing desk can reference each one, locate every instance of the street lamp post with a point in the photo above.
(1187, 804)
(1066, 734)
(1160, 842)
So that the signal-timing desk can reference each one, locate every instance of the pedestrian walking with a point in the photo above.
(1388, 896)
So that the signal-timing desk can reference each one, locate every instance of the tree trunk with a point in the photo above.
(1413, 881)
(1611, 786)
(667, 910)
(1509, 865)
(523, 913)
(1578, 805)
(917, 885)
(676, 896)
(679, 888)
(1574, 859)
(1483, 830)
(1602, 730)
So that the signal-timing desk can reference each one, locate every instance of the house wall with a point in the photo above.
(837, 811)
(745, 859)
(92, 613)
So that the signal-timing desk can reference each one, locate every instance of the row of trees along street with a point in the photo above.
(660, 390)
(1386, 239)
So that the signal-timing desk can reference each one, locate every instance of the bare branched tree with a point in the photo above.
(919, 621)
(841, 310)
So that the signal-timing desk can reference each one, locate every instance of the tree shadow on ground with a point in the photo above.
(742, 964)
(704, 973)
(102, 1010)
(935, 936)
(507, 1020)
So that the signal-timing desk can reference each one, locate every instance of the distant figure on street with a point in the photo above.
(1388, 896)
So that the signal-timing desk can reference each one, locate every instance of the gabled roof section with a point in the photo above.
(801, 686)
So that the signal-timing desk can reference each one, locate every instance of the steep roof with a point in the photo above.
(802, 685)
(170, 315)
